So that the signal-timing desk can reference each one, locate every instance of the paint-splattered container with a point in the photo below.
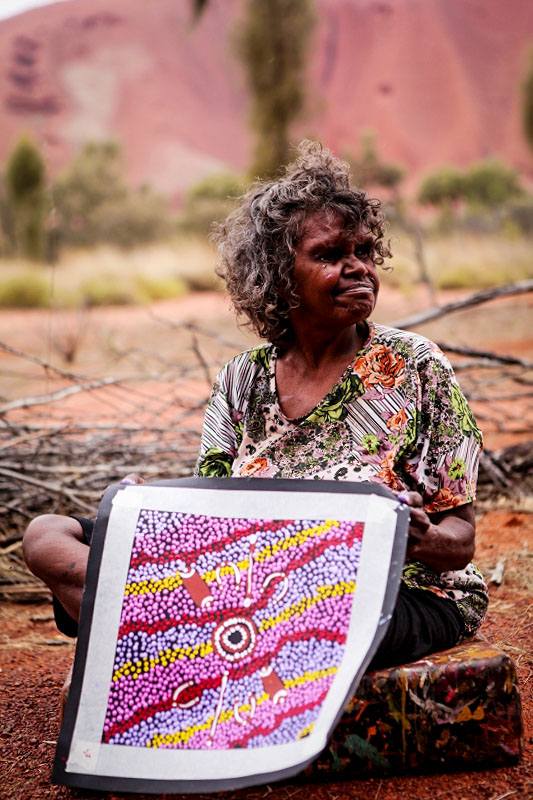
(458, 708)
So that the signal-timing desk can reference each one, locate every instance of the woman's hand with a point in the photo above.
(443, 541)
(132, 478)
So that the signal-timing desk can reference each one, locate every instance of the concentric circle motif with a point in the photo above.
(235, 638)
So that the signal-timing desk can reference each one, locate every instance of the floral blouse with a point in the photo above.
(396, 416)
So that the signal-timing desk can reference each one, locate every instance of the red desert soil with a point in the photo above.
(34, 657)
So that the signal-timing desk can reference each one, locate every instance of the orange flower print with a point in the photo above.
(387, 473)
(257, 465)
(397, 421)
(443, 500)
(380, 367)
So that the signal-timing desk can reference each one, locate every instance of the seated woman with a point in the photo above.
(333, 395)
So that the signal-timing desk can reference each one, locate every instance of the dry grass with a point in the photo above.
(464, 261)
(106, 275)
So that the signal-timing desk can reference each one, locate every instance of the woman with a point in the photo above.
(332, 396)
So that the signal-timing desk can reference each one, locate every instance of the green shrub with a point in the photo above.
(442, 187)
(520, 212)
(210, 201)
(160, 288)
(491, 183)
(107, 291)
(95, 205)
(370, 170)
(27, 290)
(25, 193)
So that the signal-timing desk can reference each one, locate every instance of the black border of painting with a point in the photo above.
(175, 786)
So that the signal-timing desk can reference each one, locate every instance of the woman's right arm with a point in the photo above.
(55, 551)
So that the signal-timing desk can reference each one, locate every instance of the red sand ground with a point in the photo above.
(34, 659)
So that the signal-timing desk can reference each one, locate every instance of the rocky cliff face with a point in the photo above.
(437, 80)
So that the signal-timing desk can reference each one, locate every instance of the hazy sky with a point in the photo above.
(9, 8)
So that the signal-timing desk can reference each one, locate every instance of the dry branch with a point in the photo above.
(485, 355)
(52, 463)
(476, 299)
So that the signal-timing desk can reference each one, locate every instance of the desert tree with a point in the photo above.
(26, 197)
(272, 41)
(527, 100)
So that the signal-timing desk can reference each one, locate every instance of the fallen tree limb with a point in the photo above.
(50, 487)
(476, 299)
(462, 350)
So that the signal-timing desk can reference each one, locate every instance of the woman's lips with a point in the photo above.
(358, 288)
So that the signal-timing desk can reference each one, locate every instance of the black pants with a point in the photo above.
(421, 623)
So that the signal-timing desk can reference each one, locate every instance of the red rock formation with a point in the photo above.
(437, 80)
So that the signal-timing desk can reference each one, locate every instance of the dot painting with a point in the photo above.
(231, 631)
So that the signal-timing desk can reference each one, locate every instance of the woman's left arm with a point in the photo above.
(443, 541)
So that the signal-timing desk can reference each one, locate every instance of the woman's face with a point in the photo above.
(336, 280)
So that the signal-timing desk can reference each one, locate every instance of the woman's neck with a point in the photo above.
(306, 370)
(313, 352)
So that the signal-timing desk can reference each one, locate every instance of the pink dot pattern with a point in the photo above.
(231, 631)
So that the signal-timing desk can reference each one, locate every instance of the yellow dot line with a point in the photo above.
(226, 716)
(306, 731)
(164, 658)
(168, 656)
(172, 582)
(299, 608)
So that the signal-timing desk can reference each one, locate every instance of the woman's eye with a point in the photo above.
(331, 256)
(364, 253)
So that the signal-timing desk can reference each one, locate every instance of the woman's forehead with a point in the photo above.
(330, 225)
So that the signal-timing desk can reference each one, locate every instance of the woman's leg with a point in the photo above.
(422, 623)
(55, 550)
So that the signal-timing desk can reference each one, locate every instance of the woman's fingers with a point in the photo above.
(419, 522)
(412, 499)
(132, 478)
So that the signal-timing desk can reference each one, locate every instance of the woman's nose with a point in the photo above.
(351, 263)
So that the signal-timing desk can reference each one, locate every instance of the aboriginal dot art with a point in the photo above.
(231, 631)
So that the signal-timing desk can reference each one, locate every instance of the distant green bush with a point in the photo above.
(491, 183)
(95, 205)
(368, 167)
(210, 201)
(24, 194)
(160, 288)
(520, 212)
(27, 290)
(442, 187)
(107, 291)
(487, 184)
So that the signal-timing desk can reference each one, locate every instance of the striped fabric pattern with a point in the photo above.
(396, 416)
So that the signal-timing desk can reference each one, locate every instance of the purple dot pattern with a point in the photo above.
(231, 630)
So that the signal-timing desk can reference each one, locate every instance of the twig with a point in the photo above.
(496, 576)
(199, 355)
(50, 487)
(15, 546)
(484, 354)
(44, 364)
(491, 466)
(475, 299)
(502, 796)
(52, 397)
(192, 326)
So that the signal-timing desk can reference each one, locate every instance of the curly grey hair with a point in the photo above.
(257, 241)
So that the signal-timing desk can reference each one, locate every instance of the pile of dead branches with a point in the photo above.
(51, 464)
